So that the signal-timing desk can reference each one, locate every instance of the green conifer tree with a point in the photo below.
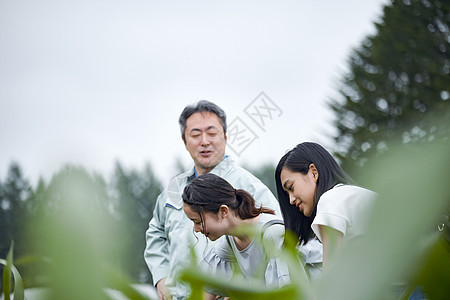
(398, 81)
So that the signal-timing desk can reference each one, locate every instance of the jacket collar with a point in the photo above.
(177, 183)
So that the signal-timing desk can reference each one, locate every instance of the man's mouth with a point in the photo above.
(205, 152)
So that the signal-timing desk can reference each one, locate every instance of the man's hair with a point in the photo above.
(201, 106)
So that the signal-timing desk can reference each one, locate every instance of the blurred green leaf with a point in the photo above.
(73, 234)
(28, 259)
(7, 271)
(120, 282)
(412, 182)
(236, 289)
(434, 274)
(298, 274)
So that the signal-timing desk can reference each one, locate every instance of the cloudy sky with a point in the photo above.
(92, 82)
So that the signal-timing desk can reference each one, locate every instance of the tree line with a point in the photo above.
(125, 203)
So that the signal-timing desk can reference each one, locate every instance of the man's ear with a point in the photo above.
(314, 172)
(223, 211)
(184, 141)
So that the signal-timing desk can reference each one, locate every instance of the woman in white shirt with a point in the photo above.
(316, 198)
(217, 210)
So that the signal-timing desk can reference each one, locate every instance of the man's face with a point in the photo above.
(205, 140)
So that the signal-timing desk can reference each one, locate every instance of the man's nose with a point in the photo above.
(205, 139)
(197, 228)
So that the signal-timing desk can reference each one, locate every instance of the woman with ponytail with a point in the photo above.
(217, 210)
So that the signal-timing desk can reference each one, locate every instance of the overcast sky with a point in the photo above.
(92, 82)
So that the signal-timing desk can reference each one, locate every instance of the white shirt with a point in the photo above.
(345, 208)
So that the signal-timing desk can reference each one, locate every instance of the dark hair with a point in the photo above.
(298, 160)
(201, 106)
(208, 192)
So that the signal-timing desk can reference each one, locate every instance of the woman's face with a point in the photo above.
(301, 188)
(212, 226)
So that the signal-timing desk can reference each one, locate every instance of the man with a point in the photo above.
(203, 131)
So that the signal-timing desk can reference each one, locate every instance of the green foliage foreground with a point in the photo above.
(76, 241)
(403, 243)
(7, 278)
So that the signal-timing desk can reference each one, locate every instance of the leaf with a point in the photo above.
(119, 282)
(236, 289)
(434, 274)
(7, 271)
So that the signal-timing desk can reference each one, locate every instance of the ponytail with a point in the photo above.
(246, 208)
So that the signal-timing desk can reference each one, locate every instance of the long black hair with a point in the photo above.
(298, 160)
(208, 192)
